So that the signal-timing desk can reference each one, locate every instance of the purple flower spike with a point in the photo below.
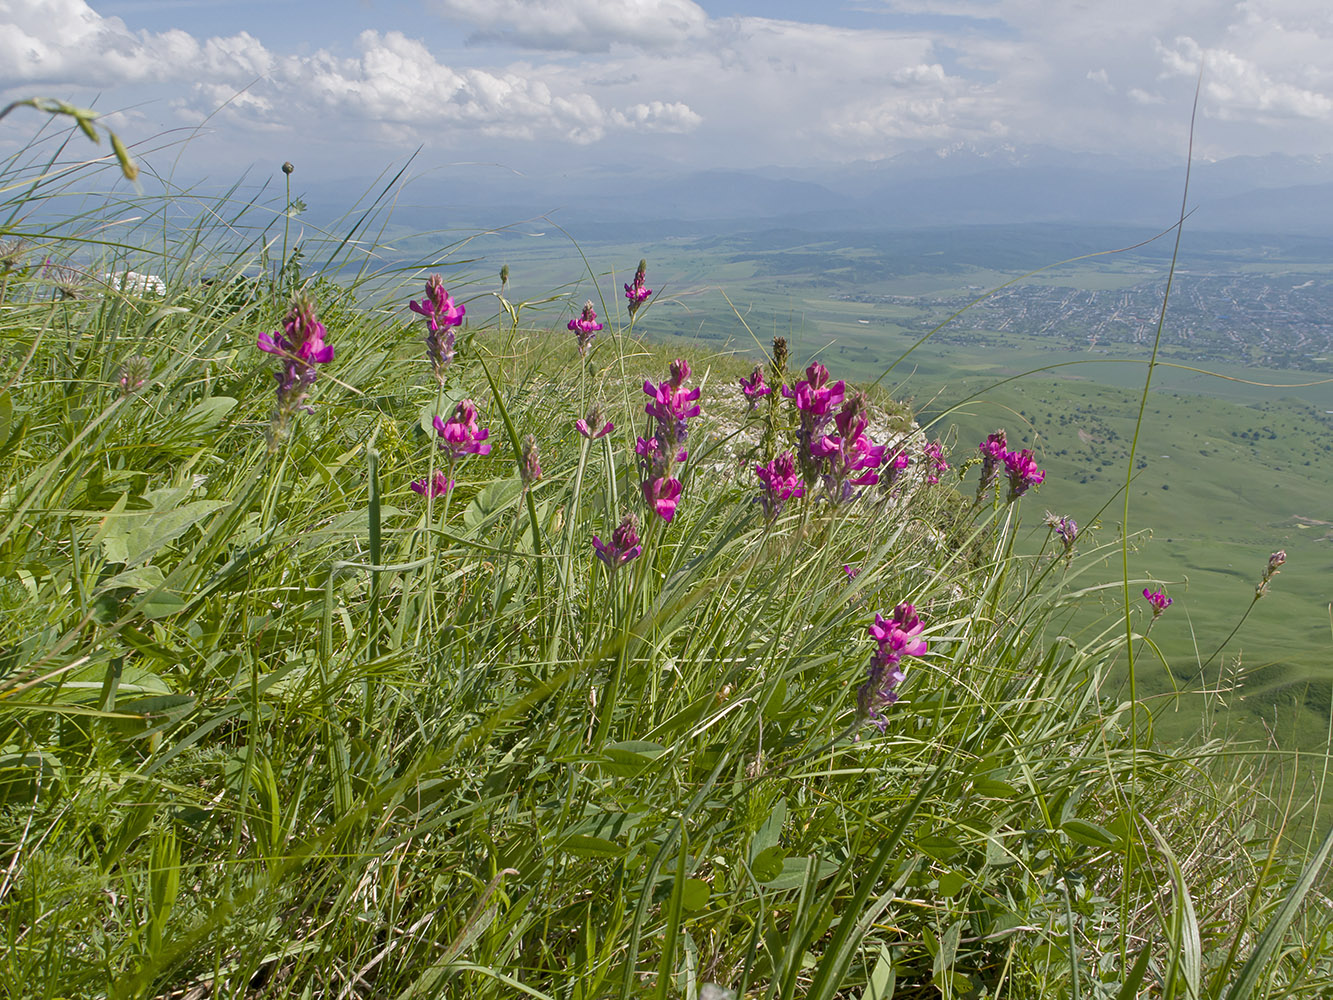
(895, 638)
(637, 293)
(1023, 472)
(591, 426)
(442, 315)
(438, 487)
(780, 482)
(460, 435)
(936, 463)
(754, 388)
(671, 406)
(300, 344)
(1157, 599)
(529, 461)
(815, 400)
(624, 544)
(993, 451)
(585, 328)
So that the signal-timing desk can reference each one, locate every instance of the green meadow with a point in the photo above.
(338, 660)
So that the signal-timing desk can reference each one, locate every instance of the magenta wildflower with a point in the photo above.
(460, 435)
(894, 467)
(780, 482)
(852, 571)
(529, 461)
(1023, 472)
(662, 495)
(591, 426)
(585, 328)
(438, 487)
(754, 388)
(300, 344)
(442, 315)
(1065, 528)
(815, 400)
(936, 463)
(637, 293)
(895, 638)
(993, 451)
(843, 455)
(624, 544)
(1157, 599)
(671, 406)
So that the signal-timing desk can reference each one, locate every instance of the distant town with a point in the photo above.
(1279, 321)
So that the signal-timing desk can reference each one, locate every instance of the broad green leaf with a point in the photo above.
(694, 894)
(585, 846)
(1089, 834)
(770, 831)
(939, 846)
(767, 864)
(139, 535)
(951, 883)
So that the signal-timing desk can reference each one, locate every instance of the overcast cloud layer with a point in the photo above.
(586, 81)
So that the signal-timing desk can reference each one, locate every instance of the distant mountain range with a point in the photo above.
(960, 185)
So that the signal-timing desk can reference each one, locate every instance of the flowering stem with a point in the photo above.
(1232, 633)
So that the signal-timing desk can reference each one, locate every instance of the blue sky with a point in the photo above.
(356, 84)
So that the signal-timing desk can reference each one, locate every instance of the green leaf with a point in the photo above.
(767, 864)
(694, 894)
(138, 535)
(584, 846)
(793, 874)
(204, 418)
(951, 884)
(142, 578)
(882, 980)
(939, 846)
(770, 831)
(1089, 834)
(994, 789)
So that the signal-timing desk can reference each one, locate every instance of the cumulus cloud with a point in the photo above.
(1237, 87)
(59, 41)
(733, 90)
(658, 116)
(580, 25)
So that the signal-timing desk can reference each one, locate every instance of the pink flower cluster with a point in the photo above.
(637, 293)
(1157, 600)
(780, 482)
(591, 426)
(671, 405)
(849, 457)
(755, 388)
(585, 328)
(300, 344)
(1019, 466)
(442, 315)
(624, 544)
(933, 453)
(844, 459)
(460, 435)
(896, 638)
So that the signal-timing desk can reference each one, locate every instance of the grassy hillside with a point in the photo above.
(313, 682)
